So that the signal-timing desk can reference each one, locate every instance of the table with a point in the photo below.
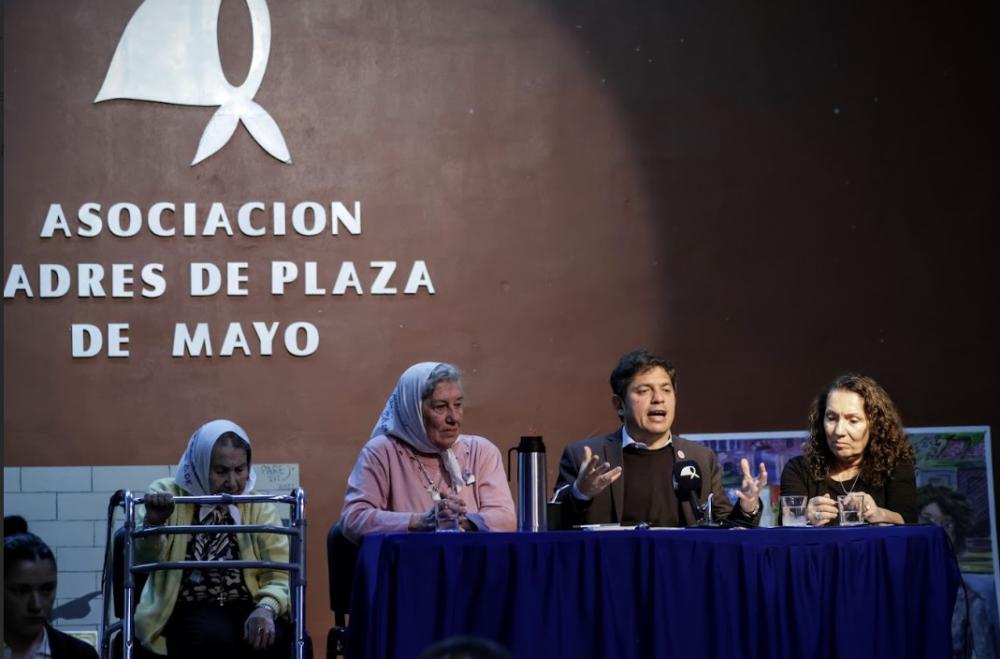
(699, 593)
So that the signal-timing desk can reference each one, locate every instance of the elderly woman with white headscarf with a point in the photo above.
(418, 472)
(213, 613)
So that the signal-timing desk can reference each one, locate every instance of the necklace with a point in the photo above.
(853, 484)
(431, 486)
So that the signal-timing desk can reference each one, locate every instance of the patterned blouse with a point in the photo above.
(213, 586)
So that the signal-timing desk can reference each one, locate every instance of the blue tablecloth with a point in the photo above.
(797, 593)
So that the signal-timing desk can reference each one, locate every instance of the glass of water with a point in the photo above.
(849, 506)
(793, 511)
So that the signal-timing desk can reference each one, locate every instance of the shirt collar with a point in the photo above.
(41, 649)
(205, 511)
(628, 441)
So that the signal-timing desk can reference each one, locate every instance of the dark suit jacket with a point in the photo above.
(65, 646)
(606, 507)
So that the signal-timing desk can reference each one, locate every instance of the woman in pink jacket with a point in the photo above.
(418, 472)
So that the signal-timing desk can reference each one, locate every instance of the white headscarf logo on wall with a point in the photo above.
(169, 53)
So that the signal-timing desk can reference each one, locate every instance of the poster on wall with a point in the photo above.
(954, 481)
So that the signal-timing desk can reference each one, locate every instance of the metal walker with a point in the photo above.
(296, 565)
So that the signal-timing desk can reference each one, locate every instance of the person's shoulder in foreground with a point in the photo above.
(65, 646)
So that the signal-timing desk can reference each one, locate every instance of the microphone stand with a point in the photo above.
(703, 514)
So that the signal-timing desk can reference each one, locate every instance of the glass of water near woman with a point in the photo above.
(793, 511)
(448, 514)
(850, 508)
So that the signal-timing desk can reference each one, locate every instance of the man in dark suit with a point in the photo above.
(626, 476)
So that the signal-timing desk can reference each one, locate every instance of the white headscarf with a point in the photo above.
(196, 464)
(403, 418)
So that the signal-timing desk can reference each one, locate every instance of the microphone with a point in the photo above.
(687, 486)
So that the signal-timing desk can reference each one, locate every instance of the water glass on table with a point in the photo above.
(793, 510)
(850, 506)
(446, 519)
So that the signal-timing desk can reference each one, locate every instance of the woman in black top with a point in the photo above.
(856, 445)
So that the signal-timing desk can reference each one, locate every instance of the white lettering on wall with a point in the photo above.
(55, 280)
(385, 270)
(216, 220)
(188, 221)
(236, 277)
(265, 336)
(380, 277)
(282, 272)
(17, 280)
(55, 219)
(155, 224)
(299, 214)
(419, 277)
(340, 215)
(89, 218)
(87, 340)
(115, 220)
(152, 277)
(244, 219)
(347, 278)
(234, 339)
(206, 279)
(192, 346)
(89, 277)
(126, 219)
(301, 339)
(311, 336)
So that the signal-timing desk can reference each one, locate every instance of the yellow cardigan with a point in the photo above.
(160, 592)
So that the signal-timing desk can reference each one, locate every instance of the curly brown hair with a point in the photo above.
(887, 443)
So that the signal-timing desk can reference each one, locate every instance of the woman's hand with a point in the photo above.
(159, 507)
(821, 510)
(449, 512)
(444, 512)
(258, 630)
(423, 521)
(873, 514)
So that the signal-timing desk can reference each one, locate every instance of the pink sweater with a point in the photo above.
(386, 486)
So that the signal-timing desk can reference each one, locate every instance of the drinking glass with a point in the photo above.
(793, 511)
(850, 509)
(446, 524)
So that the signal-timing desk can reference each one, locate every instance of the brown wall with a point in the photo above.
(768, 193)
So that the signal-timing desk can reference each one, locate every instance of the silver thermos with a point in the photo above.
(531, 485)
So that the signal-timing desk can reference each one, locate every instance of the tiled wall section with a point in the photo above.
(68, 508)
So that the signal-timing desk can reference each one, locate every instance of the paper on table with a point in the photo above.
(604, 527)
(619, 527)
